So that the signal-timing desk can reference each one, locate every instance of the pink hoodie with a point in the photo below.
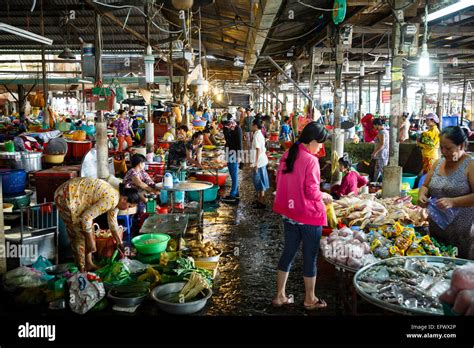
(298, 195)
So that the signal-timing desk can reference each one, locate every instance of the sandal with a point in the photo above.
(319, 304)
(278, 305)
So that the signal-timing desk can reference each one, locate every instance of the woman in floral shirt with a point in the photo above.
(138, 178)
(79, 202)
(122, 130)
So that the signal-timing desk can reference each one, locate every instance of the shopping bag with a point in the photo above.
(85, 290)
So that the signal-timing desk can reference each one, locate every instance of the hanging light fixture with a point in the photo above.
(67, 53)
(362, 69)
(346, 65)
(424, 61)
(149, 65)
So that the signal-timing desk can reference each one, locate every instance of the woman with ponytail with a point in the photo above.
(448, 192)
(301, 203)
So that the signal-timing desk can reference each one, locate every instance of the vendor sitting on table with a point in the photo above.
(194, 149)
(79, 201)
(351, 180)
(177, 151)
(138, 178)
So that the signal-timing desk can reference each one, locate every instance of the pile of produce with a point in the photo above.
(367, 209)
(201, 249)
(131, 289)
(411, 283)
(397, 240)
(195, 285)
(356, 249)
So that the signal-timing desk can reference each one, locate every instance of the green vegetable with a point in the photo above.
(193, 287)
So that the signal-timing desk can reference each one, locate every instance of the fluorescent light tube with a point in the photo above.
(458, 6)
(26, 34)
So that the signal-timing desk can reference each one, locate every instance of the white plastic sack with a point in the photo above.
(134, 266)
(23, 277)
(84, 293)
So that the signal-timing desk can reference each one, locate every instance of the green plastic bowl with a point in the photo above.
(209, 195)
(409, 179)
(152, 248)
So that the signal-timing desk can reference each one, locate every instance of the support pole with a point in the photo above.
(346, 107)
(439, 106)
(311, 85)
(21, 98)
(405, 92)
(149, 125)
(450, 111)
(185, 120)
(379, 92)
(43, 70)
(101, 125)
(294, 120)
(338, 137)
(392, 174)
(361, 82)
(464, 90)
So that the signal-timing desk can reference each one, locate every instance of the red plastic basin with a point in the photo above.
(221, 179)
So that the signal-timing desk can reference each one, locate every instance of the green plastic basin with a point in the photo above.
(159, 244)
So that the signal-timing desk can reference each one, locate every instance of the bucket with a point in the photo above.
(88, 49)
(209, 195)
(9, 146)
(409, 178)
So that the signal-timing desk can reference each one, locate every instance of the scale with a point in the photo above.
(339, 11)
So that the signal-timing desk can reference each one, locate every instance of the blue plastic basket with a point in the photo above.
(13, 181)
(409, 179)
(209, 195)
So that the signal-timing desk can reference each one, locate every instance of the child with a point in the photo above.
(351, 182)
(259, 163)
(285, 132)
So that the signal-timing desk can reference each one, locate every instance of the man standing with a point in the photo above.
(404, 128)
(233, 148)
(259, 164)
(246, 124)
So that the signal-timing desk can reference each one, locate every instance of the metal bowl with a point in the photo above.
(178, 308)
(58, 269)
(126, 301)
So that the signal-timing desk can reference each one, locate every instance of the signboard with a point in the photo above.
(385, 96)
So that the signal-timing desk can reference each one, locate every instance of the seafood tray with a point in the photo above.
(408, 285)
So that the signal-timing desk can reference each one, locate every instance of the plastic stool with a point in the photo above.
(127, 221)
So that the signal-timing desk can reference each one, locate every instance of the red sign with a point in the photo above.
(385, 96)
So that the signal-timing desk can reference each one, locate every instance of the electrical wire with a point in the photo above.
(290, 38)
(140, 11)
(314, 8)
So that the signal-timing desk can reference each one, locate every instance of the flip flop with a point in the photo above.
(319, 304)
(278, 305)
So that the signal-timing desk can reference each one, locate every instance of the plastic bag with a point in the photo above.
(41, 264)
(331, 215)
(85, 290)
(134, 266)
(23, 277)
(442, 217)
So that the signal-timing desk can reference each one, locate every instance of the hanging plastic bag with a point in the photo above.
(442, 217)
(331, 215)
(85, 290)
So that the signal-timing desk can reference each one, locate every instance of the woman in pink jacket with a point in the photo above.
(301, 203)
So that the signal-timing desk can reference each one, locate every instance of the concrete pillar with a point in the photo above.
(346, 105)
(450, 111)
(102, 150)
(3, 259)
(101, 124)
(439, 106)
(392, 174)
(21, 98)
(149, 132)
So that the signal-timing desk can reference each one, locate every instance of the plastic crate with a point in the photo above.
(208, 265)
(78, 149)
(47, 181)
